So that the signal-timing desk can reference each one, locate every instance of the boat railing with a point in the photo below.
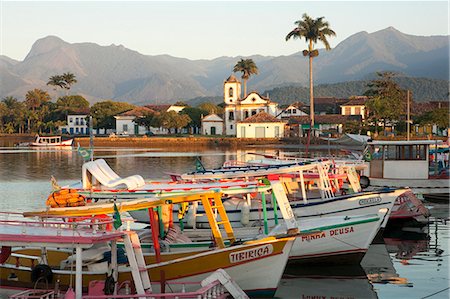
(214, 289)
(93, 224)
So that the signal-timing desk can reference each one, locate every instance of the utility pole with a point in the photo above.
(408, 124)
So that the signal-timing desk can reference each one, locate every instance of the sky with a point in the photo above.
(206, 29)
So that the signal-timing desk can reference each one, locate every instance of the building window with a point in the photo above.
(71, 120)
(231, 115)
(347, 110)
(294, 111)
(230, 92)
(125, 128)
(253, 112)
(231, 127)
(357, 110)
(246, 114)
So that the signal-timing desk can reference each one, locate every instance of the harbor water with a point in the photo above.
(409, 262)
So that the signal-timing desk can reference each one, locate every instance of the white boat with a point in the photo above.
(400, 164)
(51, 141)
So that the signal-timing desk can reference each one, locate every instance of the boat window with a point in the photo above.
(406, 152)
(377, 153)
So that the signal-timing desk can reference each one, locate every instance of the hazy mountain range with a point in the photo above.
(115, 72)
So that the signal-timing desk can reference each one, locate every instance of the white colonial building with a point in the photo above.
(125, 122)
(261, 125)
(77, 124)
(238, 109)
(212, 125)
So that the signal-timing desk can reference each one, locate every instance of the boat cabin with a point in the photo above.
(400, 159)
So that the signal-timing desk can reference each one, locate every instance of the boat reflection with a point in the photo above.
(400, 248)
(325, 282)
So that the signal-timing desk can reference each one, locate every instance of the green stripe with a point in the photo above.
(341, 225)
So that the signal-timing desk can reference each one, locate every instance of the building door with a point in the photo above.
(242, 132)
(136, 129)
(260, 132)
(213, 130)
(277, 131)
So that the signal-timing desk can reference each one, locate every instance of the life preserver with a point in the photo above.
(5, 253)
(42, 271)
(65, 198)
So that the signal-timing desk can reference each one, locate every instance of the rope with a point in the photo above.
(436, 293)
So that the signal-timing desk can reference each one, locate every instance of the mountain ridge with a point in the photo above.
(118, 73)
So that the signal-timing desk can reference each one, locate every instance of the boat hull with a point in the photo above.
(257, 267)
(355, 204)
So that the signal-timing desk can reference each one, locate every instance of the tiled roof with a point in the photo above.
(420, 108)
(356, 102)
(261, 117)
(324, 119)
(232, 78)
(159, 108)
(138, 112)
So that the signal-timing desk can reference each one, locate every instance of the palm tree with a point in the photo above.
(69, 80)
(313, 31)
(35, 100)
(248, 68)
(56, 81)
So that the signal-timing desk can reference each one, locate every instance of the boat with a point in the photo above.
(42, 281)
(408, 208)
(399, 164)
(255, 265)
(50, 141)
(100, 181)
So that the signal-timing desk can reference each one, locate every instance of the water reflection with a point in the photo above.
(410, 263)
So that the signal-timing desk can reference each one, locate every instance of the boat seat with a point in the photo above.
(114, 176)
(93, 173)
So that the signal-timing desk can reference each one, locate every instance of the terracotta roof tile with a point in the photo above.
(138, 111)
(324, 119)
(159, 108)
(261, 117)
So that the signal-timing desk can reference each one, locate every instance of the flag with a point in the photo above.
(116, 216)
(198, 165)
(85, 153)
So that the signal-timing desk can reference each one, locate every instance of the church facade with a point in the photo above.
(239, 108)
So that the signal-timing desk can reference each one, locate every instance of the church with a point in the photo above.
(238, 109)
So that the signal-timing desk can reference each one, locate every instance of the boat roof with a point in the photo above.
(404, 142)
(26, 233)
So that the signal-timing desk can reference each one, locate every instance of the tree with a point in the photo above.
(56, 81)
(103, 113)
(439, 117)
(386, 99)
(65, 81)
(69, 80)
(172, 120)
(36, 101)
(70, 104)
(313, 30)
(247, 67)
(195, 114)
(148, 120)
(15, 115)
(211, 108)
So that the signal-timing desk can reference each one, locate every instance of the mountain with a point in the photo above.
(115, 72)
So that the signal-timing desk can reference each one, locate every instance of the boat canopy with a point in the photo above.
(351, 140)
(404, 142)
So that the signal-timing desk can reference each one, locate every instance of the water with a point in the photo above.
(408, 264)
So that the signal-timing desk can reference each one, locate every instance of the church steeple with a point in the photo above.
(231, 90)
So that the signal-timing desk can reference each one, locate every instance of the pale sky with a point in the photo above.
(206, 29)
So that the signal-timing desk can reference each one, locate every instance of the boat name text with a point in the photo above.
(331, 233)
(368, 201)
(250, 254)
